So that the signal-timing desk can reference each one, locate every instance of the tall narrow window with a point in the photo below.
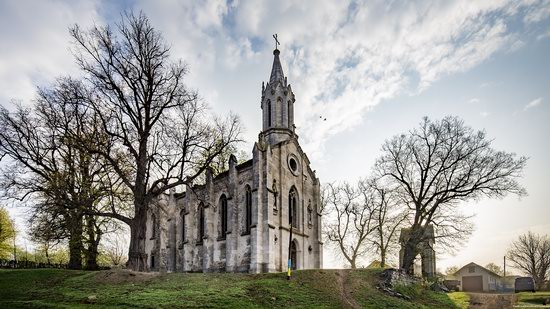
(153, 226)
(223, 218)
(292, 208)
(289, 118)
(182, 214)
(309, 215)
(248, 209)
(280, 106)
(268, 113)
(201, 224)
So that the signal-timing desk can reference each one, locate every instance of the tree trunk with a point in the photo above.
(47, 254)
(137, 257)
(382, 257)
(94, 237)
(75, 241)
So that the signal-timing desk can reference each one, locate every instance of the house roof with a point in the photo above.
(474, 264)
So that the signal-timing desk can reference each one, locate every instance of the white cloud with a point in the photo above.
(35, 43)
(543, 35)
(538, 13)
(484, 114)
(474, 100)
(342, 58)
(536, 102)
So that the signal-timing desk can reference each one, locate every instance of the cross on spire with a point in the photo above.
(276, 40)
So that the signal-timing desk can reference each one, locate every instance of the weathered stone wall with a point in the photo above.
(265, 247)
(278, 166)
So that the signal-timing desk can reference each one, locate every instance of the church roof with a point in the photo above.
(277, 70)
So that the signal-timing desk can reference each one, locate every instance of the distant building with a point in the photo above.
(239, 220)
(475, 278)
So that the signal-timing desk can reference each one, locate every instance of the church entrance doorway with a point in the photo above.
(293, 255)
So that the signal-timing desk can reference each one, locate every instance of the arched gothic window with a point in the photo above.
(293, 207)
(223, 216)
(248, 209)
(289, 118)
(268, 113)
(182, 215)
(280, 106)
(309, 214)
(153, 226)
(201, 224)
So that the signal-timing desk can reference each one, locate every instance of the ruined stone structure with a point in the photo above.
(239, 220)
(426, 249)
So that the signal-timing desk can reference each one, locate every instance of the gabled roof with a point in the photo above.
(474, 264)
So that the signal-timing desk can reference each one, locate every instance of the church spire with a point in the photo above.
(277, 70)
(277, 104)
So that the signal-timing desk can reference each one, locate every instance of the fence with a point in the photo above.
(28, 264)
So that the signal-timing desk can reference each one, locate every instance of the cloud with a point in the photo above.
(35, 43)
(474, 100)
(543, 35)
(536, 102)
(342, 57)
(484, 114)
(537, 13)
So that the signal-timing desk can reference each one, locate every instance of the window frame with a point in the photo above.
(248, 209)
(224, 224)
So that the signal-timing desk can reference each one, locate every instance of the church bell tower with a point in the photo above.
(277, 105)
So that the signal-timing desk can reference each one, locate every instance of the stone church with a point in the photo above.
(240, 219)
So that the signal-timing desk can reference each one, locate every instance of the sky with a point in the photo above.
(373, 69)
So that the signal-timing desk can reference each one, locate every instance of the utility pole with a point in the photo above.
(289, 273)
(505, 267)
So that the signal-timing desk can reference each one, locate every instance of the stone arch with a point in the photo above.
(425, 250)
(295, 254)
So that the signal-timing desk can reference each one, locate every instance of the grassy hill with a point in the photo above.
(308, 289)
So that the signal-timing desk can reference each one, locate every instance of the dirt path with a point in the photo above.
(490, 301)
(347, 300)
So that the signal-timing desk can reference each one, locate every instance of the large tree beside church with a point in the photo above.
(161, 136)
(46, 168)
(440, 164)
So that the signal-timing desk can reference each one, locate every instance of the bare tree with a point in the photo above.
(48, 169)
(530, 253)
(389, 217)
(157, 126)
(115, 249)
(495, 268)
(350, 220)
(440, 164)
(451, 270)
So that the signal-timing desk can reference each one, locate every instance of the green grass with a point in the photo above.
(526, 299)
(461, 299)
(49, 288)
